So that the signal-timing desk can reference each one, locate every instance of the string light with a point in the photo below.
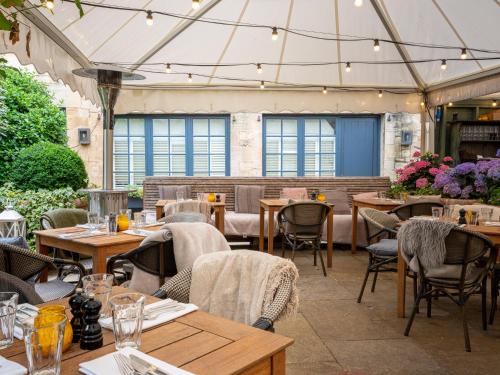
(49, 4)
(450, 104)
(358, 3)
(196, 4)
(190, 78)
(422, 104)
(380, 93)
(443, 64)
(348, 67)
(494, 103)
(262, 85)
(274, 34)
(149, 18)
(324, 90)
(168, 68)
(463, 54)
(376, 45)
(259, 68)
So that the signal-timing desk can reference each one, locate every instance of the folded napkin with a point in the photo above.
(492, 223)
(11, 368)
(81, 234)
(106, 364)
(138, 232)
(25, 311)
(88, 226)
(160, 319)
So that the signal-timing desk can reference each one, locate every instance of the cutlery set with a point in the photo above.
(133, 365)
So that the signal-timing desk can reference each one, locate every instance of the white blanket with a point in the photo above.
(188, 206)
(240, 285)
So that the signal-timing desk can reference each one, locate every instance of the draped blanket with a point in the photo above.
(188, 206)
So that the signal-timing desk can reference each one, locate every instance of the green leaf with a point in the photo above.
(5, 24)
(78, 4)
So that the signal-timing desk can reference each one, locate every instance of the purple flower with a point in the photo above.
(498, 153)
(452, 189)
(465, 168)
(494, 173)
(466, 191)
(480, 184)
(441, 180)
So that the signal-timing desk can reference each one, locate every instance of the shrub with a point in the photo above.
(28, 115)
(48, 166)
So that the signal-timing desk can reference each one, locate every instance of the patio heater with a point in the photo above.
(109, 82)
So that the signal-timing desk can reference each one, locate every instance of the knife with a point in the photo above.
(144, 366)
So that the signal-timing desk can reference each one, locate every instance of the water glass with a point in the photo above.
(93, 221)
(180, 196)
(43, 339)
(100, 284)
(200, 196)
(447, 211)
(127, 312)
(437, 212)
(486, 213)
(138, 220)
(8, 306)
(382, 195)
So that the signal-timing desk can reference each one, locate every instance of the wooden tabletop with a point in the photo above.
(163, 202)
(197, 342)
(377, 201)
(273, 202)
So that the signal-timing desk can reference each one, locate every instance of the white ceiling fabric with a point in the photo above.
(115, 36)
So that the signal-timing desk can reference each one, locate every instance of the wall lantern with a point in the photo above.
(12, 223)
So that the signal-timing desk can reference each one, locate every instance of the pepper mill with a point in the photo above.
(91, 337)
(76, 302)
(461, 218)
(217, 197)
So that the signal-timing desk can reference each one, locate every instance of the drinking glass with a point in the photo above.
(128, 211)
(471, 217)
(127, 312)
(43, 339)
(8, 306)
(138, 220)
(100, 285)
(382, 195)
(447, 210)
(199, 196)
(486, 213)
(180, 196)
(93, 221)
(404, 196)
(437, 212)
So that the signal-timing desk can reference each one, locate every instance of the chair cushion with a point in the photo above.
(144, 282)
(170, 191)
(451, 273)
(385, 247)
(245, 225)
(187, 217)
(54, 289)
(16, 241)
(340, 199)
(295, 193)
(246, 198)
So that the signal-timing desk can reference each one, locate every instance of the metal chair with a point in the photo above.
(383, 252)
(28, 266)
(495, 286)
(470, 256)
(423, 208)
(27, 294)
(301, 224)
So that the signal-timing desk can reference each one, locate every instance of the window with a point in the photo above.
(299, 146)
(170, 146)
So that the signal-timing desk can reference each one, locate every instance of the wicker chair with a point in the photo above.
(495, 287)
(470, 256)
(27, 294)
(385, 251)
(301, 224)
(28, 266)
(178, 288)
(423, 208)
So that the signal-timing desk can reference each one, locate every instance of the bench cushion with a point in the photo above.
(246, 198)
(170, 191)
(342, 230)
(245, 224)
(340, 200)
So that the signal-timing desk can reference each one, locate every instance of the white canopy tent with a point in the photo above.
(65, 41)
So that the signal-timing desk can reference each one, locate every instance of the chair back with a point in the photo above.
(27, 294)
(303, 217)
(63, 218)
(464, 246)
(408, 210)
(377, 222)
(22, 263)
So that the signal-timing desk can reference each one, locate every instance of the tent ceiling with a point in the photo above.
(115, 36)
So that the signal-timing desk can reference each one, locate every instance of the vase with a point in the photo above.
(211, 197)
(44, 317)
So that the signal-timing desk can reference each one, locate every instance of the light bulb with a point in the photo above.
(149, 18)
(262, 85)
(494, 103)
(422, 104)
(358, 3)
(443, 64)
(463, 54)
(49, 4)
(190, 78)
(450, 104)
(324, 90)
(168, 68)
(380, 93)
(348, 67)
(259, 69)
(376, 45)
(195, 4)
(274, 34)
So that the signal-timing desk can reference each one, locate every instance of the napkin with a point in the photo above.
(20, 317)
(81, 234)
(11, 368)
(106, 364)
(492, 223)
(160, 319)
(89, 226)
(138, 232)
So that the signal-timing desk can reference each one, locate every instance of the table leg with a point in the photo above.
(44, 250)
(354, 224)
(261, 229)
(99, 261)
(219, 218)
(401, 298)
(329, 238)
(278, 365)
(159, 212)
(270, 230)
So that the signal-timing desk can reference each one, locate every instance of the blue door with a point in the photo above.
(358, 139)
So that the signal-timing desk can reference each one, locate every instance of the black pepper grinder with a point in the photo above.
(217, 197)
(91, 337)
(461, 218)
(76, 302)
(314, 195)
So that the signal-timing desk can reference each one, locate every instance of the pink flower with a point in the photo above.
(409, 170)
(447, 159)
(417, 154)
(421, 164)
(398, 170)
(421, 182)
(435, 156)
(443, 167)
(435, 171)
(402, 178)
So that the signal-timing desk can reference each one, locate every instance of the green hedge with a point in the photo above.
(48, 166)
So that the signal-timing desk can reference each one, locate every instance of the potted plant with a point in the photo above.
(135, 202)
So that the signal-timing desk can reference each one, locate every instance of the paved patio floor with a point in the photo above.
(335, 335)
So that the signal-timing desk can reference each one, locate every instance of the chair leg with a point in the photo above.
(365, 279)
(429, 302)
(314, 253)
(374, 280)
(283, 246)
(293, 249)
(466, 329)
(483, 304)
(321, 259)
(414, 311)
(494, 296)
(415, 291)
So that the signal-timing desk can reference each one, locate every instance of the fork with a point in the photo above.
(124, 366)
(154, 313)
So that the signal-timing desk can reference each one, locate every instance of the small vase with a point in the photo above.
(211, 197)
(44, 314)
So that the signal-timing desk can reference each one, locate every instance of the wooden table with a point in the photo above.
(99, 247)
(272, 206)
(492, 232)
(375, 203)
(196, 342)
(219, 210)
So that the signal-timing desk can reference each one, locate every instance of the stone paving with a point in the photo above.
(335, 335)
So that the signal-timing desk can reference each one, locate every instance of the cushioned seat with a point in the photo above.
(54, 289)
(450, 274)
(386, 247)
(244, 224)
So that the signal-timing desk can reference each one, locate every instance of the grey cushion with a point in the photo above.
(16, 241)
(452, 272)
(386, 247)
(340, 200)
(54, 289)
(170, 191)
(188, 217)
(246, 198)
